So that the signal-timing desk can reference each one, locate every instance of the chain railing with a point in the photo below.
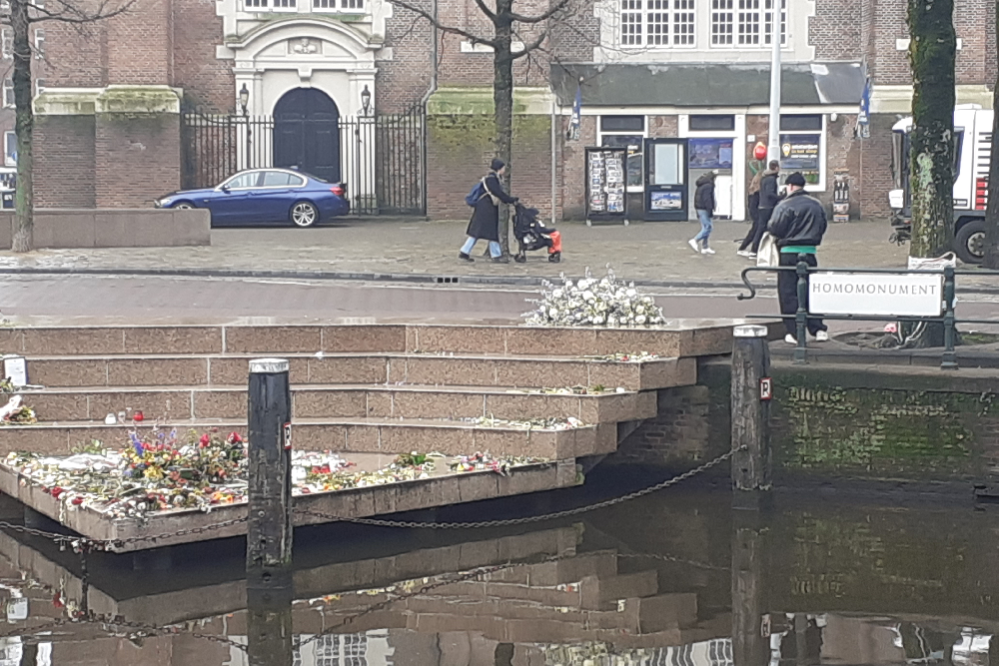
(507, 522)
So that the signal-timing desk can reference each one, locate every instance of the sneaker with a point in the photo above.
(751, 255)
(822, 336)
(464, 257)
(745, 253)
(707, 250)
(790, 339)
(694, 246)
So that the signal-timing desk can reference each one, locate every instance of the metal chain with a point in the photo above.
(82, 542)
(674, 560)
(529, 519)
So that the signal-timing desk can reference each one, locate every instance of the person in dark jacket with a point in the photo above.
(797, 224)
(485, 222)
(769, 197)
(751, 242)
(704, 204)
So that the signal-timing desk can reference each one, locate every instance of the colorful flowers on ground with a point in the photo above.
(591, 302)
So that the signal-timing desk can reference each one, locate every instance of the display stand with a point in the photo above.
(606, 196)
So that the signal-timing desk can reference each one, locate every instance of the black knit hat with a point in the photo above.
(497, 164)
(796, 179)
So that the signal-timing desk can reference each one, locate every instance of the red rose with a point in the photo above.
(204, 440)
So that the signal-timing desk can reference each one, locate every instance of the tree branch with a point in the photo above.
(72, 14)
(552, 11)
(490, 14)
(475, 39)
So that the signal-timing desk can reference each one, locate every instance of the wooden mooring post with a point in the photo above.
(751, 392)
(269, 526)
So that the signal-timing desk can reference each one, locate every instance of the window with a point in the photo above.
(8, 93)
(243, 181)
(268, 5)
(339, 5)
(709, 123)
(10, 148)
(745, 22)
(626, 132)
(657, 23)
(39, 86)
(39, 43)
(281, 179)
(8, 44)
(802, 144)
(722, 22)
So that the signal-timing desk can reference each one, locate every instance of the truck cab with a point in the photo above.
(973, 132)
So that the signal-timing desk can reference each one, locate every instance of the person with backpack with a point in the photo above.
(486, 198)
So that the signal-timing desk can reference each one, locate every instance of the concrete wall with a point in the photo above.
(835, 423)
(120, 227)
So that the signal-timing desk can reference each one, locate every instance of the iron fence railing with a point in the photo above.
(380, 158)
(803, 314)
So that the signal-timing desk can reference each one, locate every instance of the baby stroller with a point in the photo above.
(531, 234)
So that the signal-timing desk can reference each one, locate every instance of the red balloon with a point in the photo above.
(760, 151)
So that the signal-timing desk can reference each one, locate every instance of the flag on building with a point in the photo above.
(574, 121)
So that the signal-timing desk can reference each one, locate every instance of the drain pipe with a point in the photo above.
(431, 89)
(555, 101)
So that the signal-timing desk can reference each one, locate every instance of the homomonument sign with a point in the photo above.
(862, 294)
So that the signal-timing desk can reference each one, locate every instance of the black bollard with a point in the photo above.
(750, 410)
(269, 527)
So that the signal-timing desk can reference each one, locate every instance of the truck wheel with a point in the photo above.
(970, 242)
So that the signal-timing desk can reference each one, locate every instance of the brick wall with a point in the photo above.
(131, 145)
(141, 45)
(875, 157)
(64, 162)
(459, 150)
(573, 168)
(206, 81)
(404, 80)
(76, 55)
(835, 30)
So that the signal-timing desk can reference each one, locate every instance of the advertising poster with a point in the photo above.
(710, 153)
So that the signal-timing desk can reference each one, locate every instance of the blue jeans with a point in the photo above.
(706, 226)
(471, 243)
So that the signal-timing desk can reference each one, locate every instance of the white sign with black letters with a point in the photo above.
(876, 294)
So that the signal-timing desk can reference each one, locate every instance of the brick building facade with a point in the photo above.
(109, 121)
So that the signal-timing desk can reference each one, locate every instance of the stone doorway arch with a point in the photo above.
(307, 133)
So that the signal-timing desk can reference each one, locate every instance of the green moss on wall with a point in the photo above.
(454, 135)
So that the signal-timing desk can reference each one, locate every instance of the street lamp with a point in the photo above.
(244, 106)
(366, 100)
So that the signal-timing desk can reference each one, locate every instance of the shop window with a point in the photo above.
(710, 154)
(709, 123)
(803, 148)
(626, 132)
(657, 23)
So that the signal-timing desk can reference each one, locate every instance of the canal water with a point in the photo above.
(675, 578)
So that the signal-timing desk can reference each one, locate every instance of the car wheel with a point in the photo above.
(304, 214)
(183, 205)
(970, 242)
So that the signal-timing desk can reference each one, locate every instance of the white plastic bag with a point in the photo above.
(767, 253)
(932, 263)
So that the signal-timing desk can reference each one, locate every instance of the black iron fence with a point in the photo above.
(804, 312)
(380, 158)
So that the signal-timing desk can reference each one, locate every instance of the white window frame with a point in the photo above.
(10, 136)
(645, 135)
(40, 43)
(737, 11)
(7, 43)
(821, 132)
(270, 6)
(39, 87)
(640, 13)
(338, 6)
(8, 93)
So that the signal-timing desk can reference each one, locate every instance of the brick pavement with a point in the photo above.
(652, 253)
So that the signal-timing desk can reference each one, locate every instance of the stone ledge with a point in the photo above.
(117, 227)
(114, 99)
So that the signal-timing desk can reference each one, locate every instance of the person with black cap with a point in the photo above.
(797, 224)
(485, 222)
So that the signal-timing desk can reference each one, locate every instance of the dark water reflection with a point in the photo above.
(676, 578)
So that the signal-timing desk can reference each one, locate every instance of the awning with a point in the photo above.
(707, 85)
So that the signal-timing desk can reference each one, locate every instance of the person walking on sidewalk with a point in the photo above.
(485, 222)
(704, 204)
(756, 231)
(797, 224)
(769, 198)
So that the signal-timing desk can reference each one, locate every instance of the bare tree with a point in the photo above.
(507, 24)
(24, 13)
(932, 147)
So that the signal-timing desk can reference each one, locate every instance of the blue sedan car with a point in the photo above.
(265, 196)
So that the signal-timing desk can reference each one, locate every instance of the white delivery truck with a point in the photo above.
(973, 134)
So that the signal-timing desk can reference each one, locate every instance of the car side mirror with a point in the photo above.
(224, 189)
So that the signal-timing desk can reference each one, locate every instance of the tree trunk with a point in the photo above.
(24, 123)
(932, 143)
(990, 259)
(503, 103)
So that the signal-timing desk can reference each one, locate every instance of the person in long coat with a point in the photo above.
(485, 222)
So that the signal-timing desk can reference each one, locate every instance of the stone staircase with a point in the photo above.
(363, 389)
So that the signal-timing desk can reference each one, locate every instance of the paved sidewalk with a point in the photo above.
(649, 253)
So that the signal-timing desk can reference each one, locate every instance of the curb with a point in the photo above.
(406, 278)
